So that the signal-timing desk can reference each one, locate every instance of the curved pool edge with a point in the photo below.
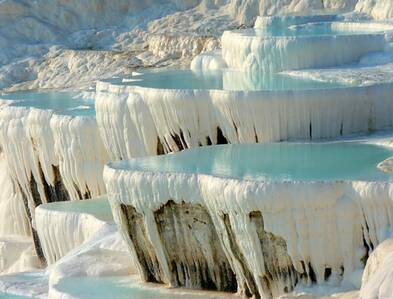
(64, 226)
(301, 215)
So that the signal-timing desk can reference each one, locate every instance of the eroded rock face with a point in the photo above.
(135, 231)
(192, 248)
(197, 256)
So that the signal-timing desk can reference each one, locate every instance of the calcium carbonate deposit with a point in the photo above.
(196, 149)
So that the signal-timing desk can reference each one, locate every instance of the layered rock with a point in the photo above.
(51, 157)
(136, 121)
(265, 237)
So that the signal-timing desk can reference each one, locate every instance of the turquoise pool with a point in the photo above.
(277, 161)
(125, 288)
(312, 29)
(61, 102)
(99, 207)
(220, 80)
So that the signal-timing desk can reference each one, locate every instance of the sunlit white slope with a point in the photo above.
(378, 276)
(64, 226)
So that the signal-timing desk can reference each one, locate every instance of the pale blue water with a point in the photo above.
(29, 283)
(61, 102)
(277, 161)
(304, 30)
(124, 288)
(299, 18)
(98, 207)
(222, 80)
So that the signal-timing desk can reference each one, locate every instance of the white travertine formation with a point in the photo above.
(52, 149)
(134, 121)
(378, 274)
(64, 226)
(378, 9)
(51, 158)
(208, 61)
(387, 165)
(14, 221)
(325, 225)
(81, 155)
(279, 53)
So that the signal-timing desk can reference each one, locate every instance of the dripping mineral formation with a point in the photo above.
(214, 218)
(261, 220)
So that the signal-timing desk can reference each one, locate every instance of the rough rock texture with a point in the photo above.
(37, 39)
(137, 121)
(134, 229)
(274, 235)
(185, 230)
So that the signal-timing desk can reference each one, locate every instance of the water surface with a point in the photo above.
(99, 207)
(277, 161)
(61, 102)
(126, 288)
(311, 29)
(221, 80)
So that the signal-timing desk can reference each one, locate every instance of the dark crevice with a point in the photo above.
(311, 273)
(341, 128)
(364, 258)
(220, 137)
(256, 136)
(87, 194)
(36, 241)
(34, 191)
(78, 191)
(310, 131)
(179, 140)
(328, 273)
(57, 192)
(160, 147)
(280, 275)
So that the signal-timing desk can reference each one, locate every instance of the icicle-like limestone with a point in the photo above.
(137, 121)
(272, 235)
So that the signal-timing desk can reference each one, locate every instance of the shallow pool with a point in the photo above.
(221, 80)
(314, 29)
(277, 161)
(61, 102)
(98, 207)
(125, 288)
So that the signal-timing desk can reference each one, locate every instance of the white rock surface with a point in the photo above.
(132, 119)
(208, 61)
(260, 54)
(323, 223)
(35, 141)
(14, 221)
(378, 275)
(64, 226)
(38, 39)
